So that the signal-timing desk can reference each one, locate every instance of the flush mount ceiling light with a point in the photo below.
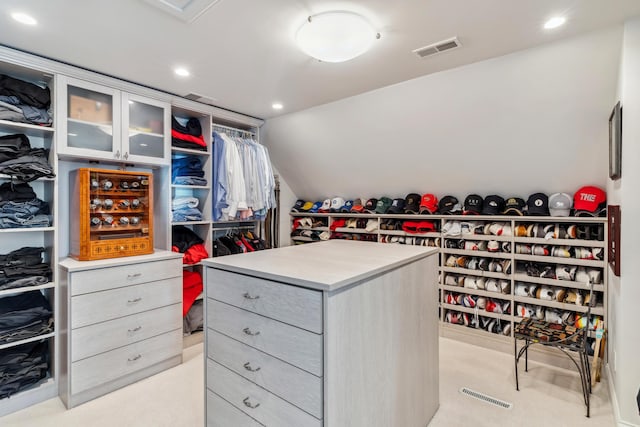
(336, 36)
(182, 72)
(277, 106)
(555, 22)
(23, 18)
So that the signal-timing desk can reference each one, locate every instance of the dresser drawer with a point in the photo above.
(293, 345)
(100, 279)
(94, 339)
(282, 379)
(258, 403)
(97, 307)
(221, 413)
(105, 367)
(290, 304)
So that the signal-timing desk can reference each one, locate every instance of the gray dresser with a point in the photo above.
(121, 321)
(336, 333)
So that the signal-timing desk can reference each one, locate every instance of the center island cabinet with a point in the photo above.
(338, 333)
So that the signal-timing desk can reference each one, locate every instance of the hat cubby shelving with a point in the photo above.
(588, 238)
(45, 237)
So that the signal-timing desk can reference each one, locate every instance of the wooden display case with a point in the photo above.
(114, 214)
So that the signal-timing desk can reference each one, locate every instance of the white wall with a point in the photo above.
(530, 121)
(624, 292)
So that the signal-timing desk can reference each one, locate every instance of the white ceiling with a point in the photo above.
(241, 53)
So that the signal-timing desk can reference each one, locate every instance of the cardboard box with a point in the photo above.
(89, 110)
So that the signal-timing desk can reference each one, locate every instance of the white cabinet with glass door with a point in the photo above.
(103, 123)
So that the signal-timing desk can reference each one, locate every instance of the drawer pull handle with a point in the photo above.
(248, 367)
(136, 329)
(248, 404)
(135, 300)
(247, 295)
(133, 276)
(134, 358)
(248, 332)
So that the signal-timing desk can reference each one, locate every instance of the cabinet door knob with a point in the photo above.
(135, 300)
(248, 404)
(249, 332)
(134, 358)
(126, 155)
(136, 329)
(118, 154)
(248, 367)
(247, 295)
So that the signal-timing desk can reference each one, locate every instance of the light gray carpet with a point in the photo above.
(174, 398)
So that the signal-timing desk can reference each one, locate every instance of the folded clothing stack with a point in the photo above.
(187, 170)
(23, 366)
(19, 160)
(187, 133)
(24, 102)
(188, 243)
(23, 316)
(20, 208)
(23, 267)
(185, 209)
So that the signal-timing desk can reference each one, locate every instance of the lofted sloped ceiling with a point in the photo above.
(242, 55)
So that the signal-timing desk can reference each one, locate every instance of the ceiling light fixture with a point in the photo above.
(336, 36)
(555, 22)
(182, 72)
(23, 18)
(277, 106)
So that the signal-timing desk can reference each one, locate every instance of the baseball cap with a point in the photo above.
(514, 206)
(336, 204)
(316, 207)
(449, 205)
(383, 205)
(297, 206)
(370, 206)
(428, 204)
(346, 207)
(357, 206)
(560, 204)
(412, 203)
(589, 201)
(472, 205)
(326, 206)
(306, 206)
(492, 205)
(538, 204)
(397, 206)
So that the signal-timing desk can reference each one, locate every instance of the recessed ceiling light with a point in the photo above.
(336, 36)
(555, 22)
(182, 72)
(23, 18)
(277, 106)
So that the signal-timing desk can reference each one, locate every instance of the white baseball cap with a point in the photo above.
(560, 204)
(337, 203)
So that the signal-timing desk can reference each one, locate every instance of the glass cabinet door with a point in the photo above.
(145, 130)
(92, 115)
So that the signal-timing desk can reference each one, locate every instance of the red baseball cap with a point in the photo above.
(589, 201)
(429, 204)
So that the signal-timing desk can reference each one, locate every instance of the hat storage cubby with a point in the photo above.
(483, 258)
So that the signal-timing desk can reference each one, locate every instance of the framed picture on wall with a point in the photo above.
(615, 142)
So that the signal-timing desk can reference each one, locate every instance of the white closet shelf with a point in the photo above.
(44, 178)
(560, 242)
(597, 310)
(405, 234)
(191, 223)
(480, 254)
(479, 273)
(27, 289)
(191, 187)
(559, 260)
(27, 128)
(478, 292)
(354, 230)
(484, 313)
(26, 230)
(190, 151)
(519, 277)
(28, 340)
(314, 228)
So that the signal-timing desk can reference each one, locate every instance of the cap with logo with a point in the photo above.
(357, 206)
(538, 204)
(297, 206)
(449, 205)
(316, 207)
(383, 205)
(428, 204)
(473, 205)
(346, 207)
(397, 206)
(412, 203)
(336, 204)
(590, 201)
(514, 206)
(492, 205)
(326, 206)
(560, 204)
(371, 204)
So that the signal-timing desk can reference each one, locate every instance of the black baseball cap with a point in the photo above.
(412, 203)
(473, 205)
(449, 205)
(298, 206)
(370, 206)
(493, 205)
(538, 204)
(397, 206)
(514, 206)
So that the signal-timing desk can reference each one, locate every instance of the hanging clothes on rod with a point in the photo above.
(243, 182)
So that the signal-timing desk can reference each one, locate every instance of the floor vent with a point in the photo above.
(486, 398)
(438, 47)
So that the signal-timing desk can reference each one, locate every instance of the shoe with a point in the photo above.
(469, 301)
(483, 264)
(522, 248)
(493, 246)
(481, 302)
(505, 286)
(540, 250)
(565, 272)
(492, 285)
(545, 293)
(561, 251)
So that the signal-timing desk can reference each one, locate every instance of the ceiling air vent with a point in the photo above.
(438, 47)
(199, 98)
(185, 10)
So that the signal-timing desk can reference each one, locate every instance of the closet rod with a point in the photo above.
(224, 128)
(241, 227)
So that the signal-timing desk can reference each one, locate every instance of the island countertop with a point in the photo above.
(326, 266)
